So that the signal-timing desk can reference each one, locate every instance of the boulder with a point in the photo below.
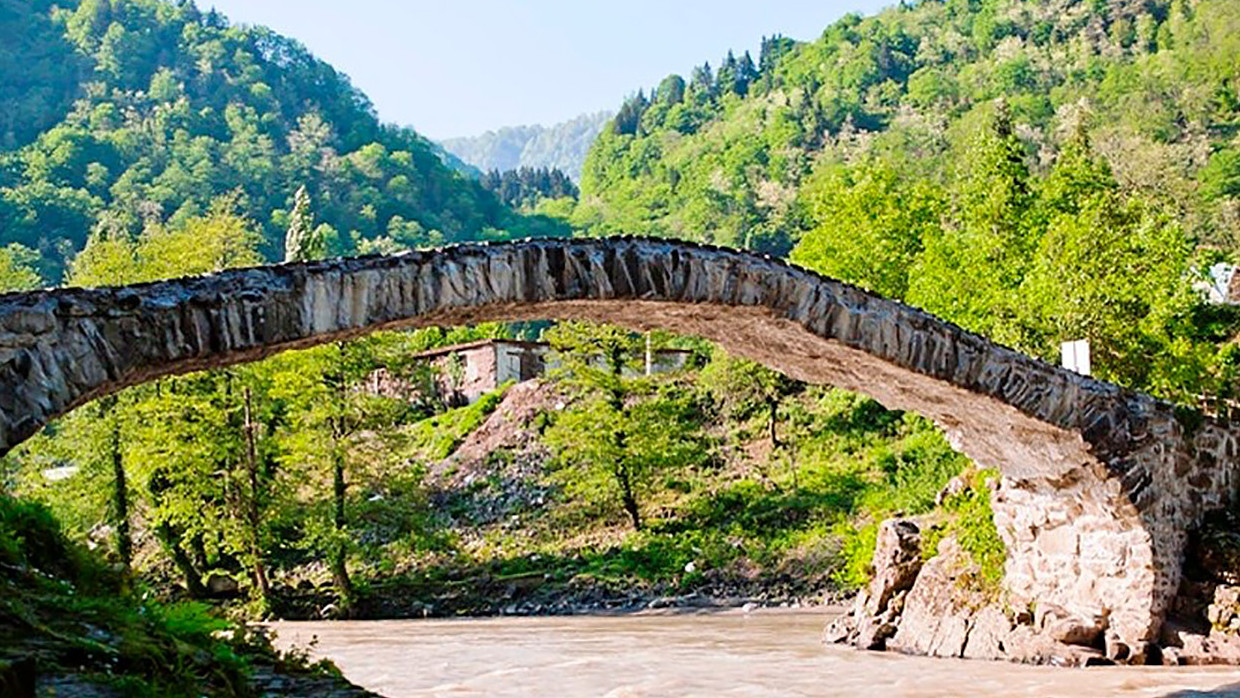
(876, 610)
(936, 618)
(874, 631)
(1186, 646)
(897, 561)
(1062, 626)
(222, 585)
(1025, 644)
(988, 634)
(1224, 610)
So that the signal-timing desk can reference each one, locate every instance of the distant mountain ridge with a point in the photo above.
(563, 146)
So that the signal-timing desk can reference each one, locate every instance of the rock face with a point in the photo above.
(936, 620)
(897, 560)
(1100, 484)
(931, 609)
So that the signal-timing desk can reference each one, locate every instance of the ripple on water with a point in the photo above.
(690, 655)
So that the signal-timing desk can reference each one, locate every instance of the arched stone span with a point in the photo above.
(1099, 483)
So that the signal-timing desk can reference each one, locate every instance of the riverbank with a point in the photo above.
(534, 595)
(73, 626)
(503, 530)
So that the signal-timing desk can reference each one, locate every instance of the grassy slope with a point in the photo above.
(76, 623)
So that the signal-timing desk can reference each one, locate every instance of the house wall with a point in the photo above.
(518, 362)
(466, 375)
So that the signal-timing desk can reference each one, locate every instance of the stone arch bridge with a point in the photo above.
(1099, 484)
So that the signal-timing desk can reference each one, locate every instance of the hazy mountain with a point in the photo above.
(562, 146)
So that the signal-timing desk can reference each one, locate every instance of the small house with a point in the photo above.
(468, 371)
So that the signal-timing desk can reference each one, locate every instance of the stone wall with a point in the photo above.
(1099, 482)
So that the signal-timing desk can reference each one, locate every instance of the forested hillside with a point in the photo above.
(1079, 159)
(721, 155)
(562, 146)
(115, 114)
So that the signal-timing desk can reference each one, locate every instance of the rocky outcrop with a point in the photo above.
(1101, 483)
(897, 560)
(934, 608)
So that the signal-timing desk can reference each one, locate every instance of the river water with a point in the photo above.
(716, 655)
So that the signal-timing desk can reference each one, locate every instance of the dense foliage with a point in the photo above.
(82, 619)
(1032, 171)
(721, 156)
(118, 113)
(527, 187)
(1066, 255)
(224, 468)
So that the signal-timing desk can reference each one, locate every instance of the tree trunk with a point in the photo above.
(649, 356)
(339, 564)
(253, 510)
(120, 486)
(629, 500)
(773, 417)
(193, 580)
(627, 496)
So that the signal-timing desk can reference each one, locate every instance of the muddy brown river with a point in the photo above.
(766, 653)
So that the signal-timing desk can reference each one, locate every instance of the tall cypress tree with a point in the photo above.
(303, 241)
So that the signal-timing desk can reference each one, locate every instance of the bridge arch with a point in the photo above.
(1099, 483)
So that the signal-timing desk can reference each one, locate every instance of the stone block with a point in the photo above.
(1061, 541)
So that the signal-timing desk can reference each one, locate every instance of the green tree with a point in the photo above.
(742, 389)
(17, 268)
(969, 270)
(319, 387)
(870, 226)
(621, 433)
(328, 407)
(1221, 175)
(671, 91)
(303, 241)
(180, 433)
(1113, 269)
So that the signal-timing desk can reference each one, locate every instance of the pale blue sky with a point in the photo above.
(461, 67)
